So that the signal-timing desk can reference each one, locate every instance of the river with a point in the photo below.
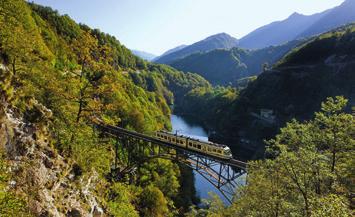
(182, 127)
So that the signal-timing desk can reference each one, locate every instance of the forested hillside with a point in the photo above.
(294, 88)
(308, 172)
(306, 168)
(226, 67)
(56, 76)
(217, 41)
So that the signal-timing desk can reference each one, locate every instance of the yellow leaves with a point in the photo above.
(330, 205)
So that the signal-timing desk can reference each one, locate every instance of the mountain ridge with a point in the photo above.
(298, 26)
(144, 55)
(217, 41)
(226, 66)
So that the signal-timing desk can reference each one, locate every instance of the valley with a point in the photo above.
(281, 99)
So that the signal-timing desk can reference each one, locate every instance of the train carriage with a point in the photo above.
(210, 148)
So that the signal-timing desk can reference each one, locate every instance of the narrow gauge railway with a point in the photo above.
(210, 148)
(115, 131)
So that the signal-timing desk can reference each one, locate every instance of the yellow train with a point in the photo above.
(210, 148)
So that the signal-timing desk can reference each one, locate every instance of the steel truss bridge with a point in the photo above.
(133, 149)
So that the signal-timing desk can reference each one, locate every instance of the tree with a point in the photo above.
(336, 130)
(84, 47)
(310, 174)
(152, 202)
(120, 201)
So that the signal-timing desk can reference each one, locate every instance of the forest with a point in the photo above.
(58, 76)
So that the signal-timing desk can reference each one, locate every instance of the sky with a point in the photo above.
(158, 25)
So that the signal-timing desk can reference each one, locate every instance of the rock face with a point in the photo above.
(42, 174)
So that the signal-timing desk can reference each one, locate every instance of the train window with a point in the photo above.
(190, 143)
(199, 146)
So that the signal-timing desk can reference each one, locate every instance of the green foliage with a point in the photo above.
(80, 74)
(336, 42)
(6, 90)
(219, 41)
(10, 203)
(152, 202)
(162, 174)
(206, 104)
(120, 200)
(309, 175)
(225, 67)
(63, 25)
(330, 205)
(292, 89)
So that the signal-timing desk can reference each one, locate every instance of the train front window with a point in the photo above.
(227, 152)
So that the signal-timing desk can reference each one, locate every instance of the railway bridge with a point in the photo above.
(133, 149)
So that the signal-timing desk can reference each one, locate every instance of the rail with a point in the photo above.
(114, 130)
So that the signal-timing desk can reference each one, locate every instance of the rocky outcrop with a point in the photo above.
(47, 180)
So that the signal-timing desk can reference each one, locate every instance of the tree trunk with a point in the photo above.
(79, 110)
(307, 211)
(333, 161)
(14, 67)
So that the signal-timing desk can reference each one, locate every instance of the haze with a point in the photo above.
(158, 25)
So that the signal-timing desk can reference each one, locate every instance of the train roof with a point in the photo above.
(209, 142)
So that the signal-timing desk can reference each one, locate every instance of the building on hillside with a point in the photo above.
(266, 115)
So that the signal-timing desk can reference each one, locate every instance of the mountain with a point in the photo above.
(299, 26)
(343, 14)
(319, 68)
(217, 41)
(144, 55)
(175, 49)
(222, 66)
(296, 86)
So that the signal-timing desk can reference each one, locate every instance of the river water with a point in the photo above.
(182, 127)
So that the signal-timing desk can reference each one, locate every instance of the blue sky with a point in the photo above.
(158, 25)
